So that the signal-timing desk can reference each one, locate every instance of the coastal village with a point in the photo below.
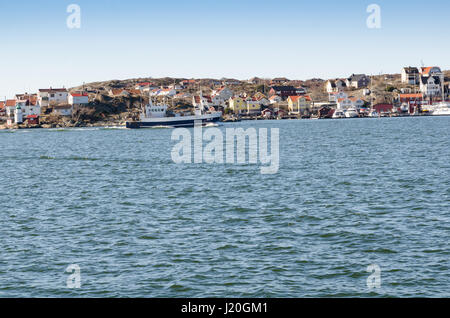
(414, 92)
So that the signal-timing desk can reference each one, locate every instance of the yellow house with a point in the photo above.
(253, 106)
(238, 105)
(299, 105)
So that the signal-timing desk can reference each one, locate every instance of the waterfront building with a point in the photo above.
(238, 104)
(334, 97)
(253, 106)
(299, 105)
(344, 103)
(410, 102)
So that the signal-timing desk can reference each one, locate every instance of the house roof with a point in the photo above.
(425, 79)
(296, 98)
(411, 96)
(280, 79)
(10, 103)
(2, 105)
(411, 70)
(356, 77)
(284, 88)
(52, 90)
(117, 91)
(144, 84)
(134, 91)
(274, 97)
(427, 70)
(79, 95)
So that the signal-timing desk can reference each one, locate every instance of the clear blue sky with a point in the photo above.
(212, 38)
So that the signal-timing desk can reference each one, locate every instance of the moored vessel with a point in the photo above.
(156, 116)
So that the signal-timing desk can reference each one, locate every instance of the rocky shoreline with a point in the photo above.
(63, 125)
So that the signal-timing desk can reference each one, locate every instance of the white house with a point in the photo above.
(410, 75)
(145, 87)
(357, 102)
(430, 86)
(335, 86)
(275, 99)
(29, 108)
(78, 99)
(334, 97)
(433, 71)
(358, 81)
(344, 103)
(167, 92)
(52, 96)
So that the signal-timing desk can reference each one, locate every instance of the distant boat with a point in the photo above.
(156, 116)
(351, 113)
(338, 114)
(374, 114)
(442, 109)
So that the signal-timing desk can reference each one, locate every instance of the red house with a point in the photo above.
(413, 100)
(383, 108)
(32, 119)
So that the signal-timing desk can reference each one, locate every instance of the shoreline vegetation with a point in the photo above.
(113, 103)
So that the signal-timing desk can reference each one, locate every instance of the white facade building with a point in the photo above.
(52, 96)
(430, 86)
(334, 97)
(410, 75)
(78, 99)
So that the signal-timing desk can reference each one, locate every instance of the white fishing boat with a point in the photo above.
(338, 114)
(156, 116)
(351, 113)
(442, 109)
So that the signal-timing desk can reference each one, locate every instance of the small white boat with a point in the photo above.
(442, 109)
(338, 114)
(374, 114)
(351, 113)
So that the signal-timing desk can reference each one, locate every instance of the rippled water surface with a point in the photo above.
(348, 194)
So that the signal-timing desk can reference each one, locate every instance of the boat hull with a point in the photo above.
(176, 122)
